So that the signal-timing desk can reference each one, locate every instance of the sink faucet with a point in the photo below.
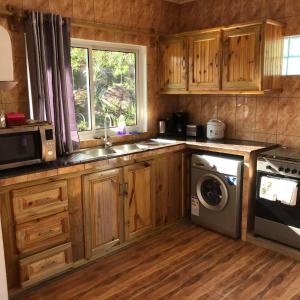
(107, 124)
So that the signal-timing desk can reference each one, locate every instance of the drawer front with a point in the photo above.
(39, 201)
(42, 233)
(45, 264)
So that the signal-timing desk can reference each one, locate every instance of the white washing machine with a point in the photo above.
(216, 192)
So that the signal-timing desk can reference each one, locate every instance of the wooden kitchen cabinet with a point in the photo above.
(242, 58)
(238, 59)
(42, 233)
(169, 188)
(39, 200)
(138, 201)
(252, 57)
(45, 264)
(204, 61)
(102, 211)
(173, 65)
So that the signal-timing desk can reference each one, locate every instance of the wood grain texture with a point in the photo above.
(183, 262)
(45, 264)
(38, 201)
(43, 233)
(173, 64)
(242, 58)
(169, 188)
(138, 202)
(102, 210)
(204, 61)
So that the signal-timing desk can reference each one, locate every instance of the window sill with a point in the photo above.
(117, 139)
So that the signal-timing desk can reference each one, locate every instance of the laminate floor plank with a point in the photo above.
(182, 262)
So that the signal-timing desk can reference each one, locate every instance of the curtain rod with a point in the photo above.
(13, 12)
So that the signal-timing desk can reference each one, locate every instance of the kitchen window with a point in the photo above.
(109, 79)
(291, 56)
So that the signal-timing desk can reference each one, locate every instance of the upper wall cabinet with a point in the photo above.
(238, 59)
(204, 61)
(173, 65)
(241, 59)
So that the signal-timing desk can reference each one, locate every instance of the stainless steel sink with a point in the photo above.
(155, 143)
(127, 148)
(99, 152)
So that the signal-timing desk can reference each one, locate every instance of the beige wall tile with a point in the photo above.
(104, 11)
(292, 8)
(251, 10)
(64, 8)
(289, 117)
(245, 113)
(209, 108)
(85, 11)
(83, 33)
(244, 135)
(227, 113)
(265, 137)
(289, 141)
(266, 114)
(273, 8)
(42, 5)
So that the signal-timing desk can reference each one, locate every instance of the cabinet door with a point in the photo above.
(40, 266)
(173, 69)
(139, 210)
(204, 55)
(242, 59)
(169, 188)
(102, 209)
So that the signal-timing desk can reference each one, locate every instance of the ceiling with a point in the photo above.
(180, 1)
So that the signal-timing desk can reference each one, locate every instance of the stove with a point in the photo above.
(280, 161)
(278, 218)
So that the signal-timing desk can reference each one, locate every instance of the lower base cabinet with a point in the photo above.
(170, 185)
(138, 200)
(45, 264)
(87, 215)
(102, 211)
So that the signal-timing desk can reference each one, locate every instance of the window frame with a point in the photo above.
(140, 78)
(288, 55)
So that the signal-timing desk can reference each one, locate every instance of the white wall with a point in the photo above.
(3, 282)
(6, 60)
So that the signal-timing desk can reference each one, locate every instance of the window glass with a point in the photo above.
(109, 82)
(291, 56)
(80, 71)
(114, 76)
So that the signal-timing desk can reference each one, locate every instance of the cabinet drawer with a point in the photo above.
(45, 264)
(39, 201)
(42, 233)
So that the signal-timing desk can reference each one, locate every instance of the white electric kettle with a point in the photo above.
(215, 129)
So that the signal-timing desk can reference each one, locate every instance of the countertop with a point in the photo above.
(236, 147)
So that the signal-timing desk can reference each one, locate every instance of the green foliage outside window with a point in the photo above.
(114, 81)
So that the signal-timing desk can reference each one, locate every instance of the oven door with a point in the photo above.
(275, 220)
(20, 148)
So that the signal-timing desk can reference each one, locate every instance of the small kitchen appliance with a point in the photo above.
(215, 129)
(162, 127)
(27, 145)
(277, 205)
(180, 122)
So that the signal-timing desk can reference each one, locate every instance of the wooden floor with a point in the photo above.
(183, 262)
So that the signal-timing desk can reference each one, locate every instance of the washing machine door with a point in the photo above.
(212, 192)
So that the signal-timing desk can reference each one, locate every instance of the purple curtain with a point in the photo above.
(51, 91)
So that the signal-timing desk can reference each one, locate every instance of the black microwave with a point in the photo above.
(26, 145)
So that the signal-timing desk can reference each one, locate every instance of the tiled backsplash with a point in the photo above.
(260, 118)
